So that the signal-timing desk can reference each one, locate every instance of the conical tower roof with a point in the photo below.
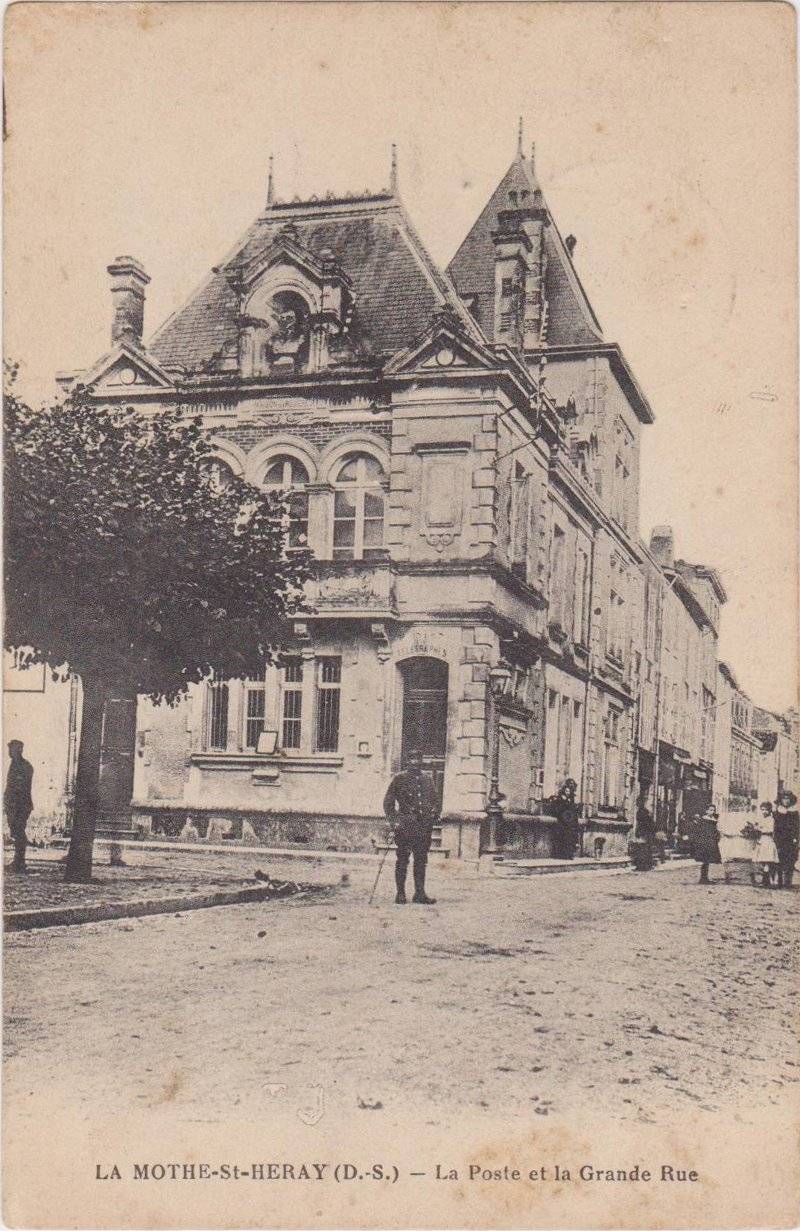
(571, 319)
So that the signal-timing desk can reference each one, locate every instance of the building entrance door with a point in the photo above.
(425, 714)
(116, 756)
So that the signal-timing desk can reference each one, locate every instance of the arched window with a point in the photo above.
(219, 474)
(287, 474)
(358, 509)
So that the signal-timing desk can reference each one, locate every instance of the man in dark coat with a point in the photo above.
(412, 809)
(17, 801)
(705, 842)
(787, 836)
(567, 811)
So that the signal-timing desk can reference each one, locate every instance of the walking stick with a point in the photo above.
(380, 869)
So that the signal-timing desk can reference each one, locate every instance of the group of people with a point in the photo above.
(411, 807)
(775, 838)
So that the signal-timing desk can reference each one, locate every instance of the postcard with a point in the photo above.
(401, 725)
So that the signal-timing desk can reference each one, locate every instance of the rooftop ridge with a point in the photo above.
(314, 202)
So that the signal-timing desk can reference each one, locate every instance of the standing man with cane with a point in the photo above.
(412, 809)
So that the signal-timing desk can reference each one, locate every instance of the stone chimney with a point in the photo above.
(519, 263)
(128, 281)
(662, 546)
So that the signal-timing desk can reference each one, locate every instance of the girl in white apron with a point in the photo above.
(765, 856)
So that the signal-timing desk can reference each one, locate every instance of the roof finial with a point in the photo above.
(393, 173)
(270, 185)
(533, 158)
(519, 140)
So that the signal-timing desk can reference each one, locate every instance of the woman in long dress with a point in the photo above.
(765, 856)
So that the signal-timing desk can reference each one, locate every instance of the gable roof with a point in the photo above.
(395, 285)
(571, 319)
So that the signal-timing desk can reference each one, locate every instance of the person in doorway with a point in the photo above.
(18, 801)
(412, 809)
(787, 836)
(765, 855)
(567, 830)
(705, 842)
(645, 825)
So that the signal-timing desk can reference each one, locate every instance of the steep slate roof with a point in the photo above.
(396, 286)
(571, 320)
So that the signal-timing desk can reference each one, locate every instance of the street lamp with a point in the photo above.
(499, 682)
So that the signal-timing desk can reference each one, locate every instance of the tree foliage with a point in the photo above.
(127, 561)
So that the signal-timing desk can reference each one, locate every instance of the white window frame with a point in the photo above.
(253, 687)
(322, 687)
(611, 778)
(290, 485)
(359, 488)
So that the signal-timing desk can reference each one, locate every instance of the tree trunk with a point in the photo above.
(79, 859)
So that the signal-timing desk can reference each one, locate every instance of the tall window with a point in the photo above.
(254, 712)
(292, 705)
(329, 679)
(564, 756)
(358, 509)
(581, 632)
(217, 728)
(616, 628)
(623, 468)
(650, 599)
(610, 781)
(519, 498)
(557, 576)
(288, 475)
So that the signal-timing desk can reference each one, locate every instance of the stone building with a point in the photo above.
(776, 763)
(517, 276)
(461, 449)
(744, 748)
(683, 605)
(723, 732)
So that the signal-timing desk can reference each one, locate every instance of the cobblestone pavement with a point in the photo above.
(639, 993)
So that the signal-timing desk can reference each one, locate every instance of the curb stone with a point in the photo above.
(62, 916)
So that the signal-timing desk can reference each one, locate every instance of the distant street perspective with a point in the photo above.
(644, 994)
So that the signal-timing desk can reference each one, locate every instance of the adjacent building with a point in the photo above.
(678, 694)
(42, 708)
(745, 748)
(777, 756)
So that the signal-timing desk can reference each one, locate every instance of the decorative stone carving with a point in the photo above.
(513, 736)
(379, 634)
(439, 538)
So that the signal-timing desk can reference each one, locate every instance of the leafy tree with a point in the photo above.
(128, 559)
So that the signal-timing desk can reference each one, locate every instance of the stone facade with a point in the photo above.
(678, 686)
(462, 451)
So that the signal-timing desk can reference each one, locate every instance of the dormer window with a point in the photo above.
(287, 328)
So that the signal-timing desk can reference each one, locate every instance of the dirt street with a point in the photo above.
(641, 993)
